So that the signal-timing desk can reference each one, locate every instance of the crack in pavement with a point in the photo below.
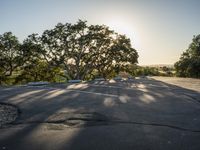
(82, 122)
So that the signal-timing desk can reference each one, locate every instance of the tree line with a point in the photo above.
(68, 51)
(81, 51)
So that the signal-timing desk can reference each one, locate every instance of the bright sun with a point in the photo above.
(124, 27)
(119, 26)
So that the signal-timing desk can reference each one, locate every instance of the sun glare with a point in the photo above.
(119, 26)
(124, 27)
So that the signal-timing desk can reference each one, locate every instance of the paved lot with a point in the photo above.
(146, 113)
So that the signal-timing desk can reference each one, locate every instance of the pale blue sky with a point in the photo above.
(159, 29)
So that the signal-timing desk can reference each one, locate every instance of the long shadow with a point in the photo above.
(134, 136)
(125, 122)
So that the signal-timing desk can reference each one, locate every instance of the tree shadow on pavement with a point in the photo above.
(140, 114)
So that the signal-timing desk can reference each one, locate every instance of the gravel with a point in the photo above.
(8, 114)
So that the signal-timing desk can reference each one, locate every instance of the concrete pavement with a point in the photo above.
(134, 114)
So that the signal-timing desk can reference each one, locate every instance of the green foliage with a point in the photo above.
(135, 70)
(189, 63)
(10, 56)
(80, 49)
(70, 51)
(146, 71)
(39, 71)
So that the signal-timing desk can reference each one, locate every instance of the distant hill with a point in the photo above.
(159, 65)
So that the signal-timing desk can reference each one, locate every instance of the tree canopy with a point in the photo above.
(10, 55)
(189, 63)
(73, 51)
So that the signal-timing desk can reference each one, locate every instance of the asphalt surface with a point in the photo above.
(141, 114)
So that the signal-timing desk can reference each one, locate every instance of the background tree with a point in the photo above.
(10, 55)
(35, 67)
(189, 63)
(73, 51)
(81, 49)
(63, 48)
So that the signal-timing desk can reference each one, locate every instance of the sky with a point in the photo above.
(160, 30)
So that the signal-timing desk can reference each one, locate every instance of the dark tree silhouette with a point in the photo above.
(189, 63)
(74, 51)
(10, 55)
(81, 49)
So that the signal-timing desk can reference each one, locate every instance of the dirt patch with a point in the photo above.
(8, 114)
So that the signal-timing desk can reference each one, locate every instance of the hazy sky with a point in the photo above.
(159, 29)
